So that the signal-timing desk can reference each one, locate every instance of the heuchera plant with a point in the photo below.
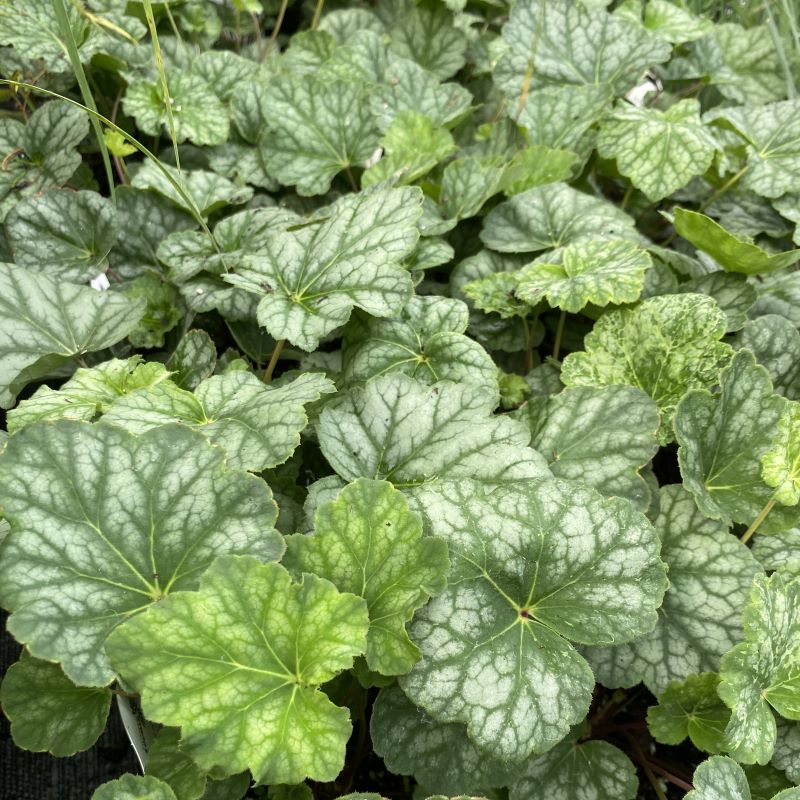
(402, 399)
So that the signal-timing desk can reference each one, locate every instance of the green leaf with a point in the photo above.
(731, 292)
(167, 762)
(309, 279)
(66, 234)
(258, 426)
(665, 345)
(660, 151)
(710, 575)
(780, 464)
(550, 216)
(766, 782)
(497, 294)
(426, 342)
(134, 787)
(775, 342)
(573, 771)
(238, 666)
(88, 393)
(514, 389)
(598, 272)
(600, 437)
(124, 522)
(368, 543)
(772, 133)
(44, 323)
(673, 23)
(495, 645)
(537, 165)
(722, 438)
(690, 708)
(412, 146)
(467, 183)
(48, 712)
(193, 360)
(731, 252)
(439, 755)
(787, 749)
(721, 778)
(316, 129)
(198, 115)
(557, 42)
(762, 673)
(163, 309)
(397, 429)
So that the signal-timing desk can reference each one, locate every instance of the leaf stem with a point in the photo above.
(317, 14)
(276, 30)
(722, 189)
(559, 334)
(626, 197)
(276, 354)
(762, 515)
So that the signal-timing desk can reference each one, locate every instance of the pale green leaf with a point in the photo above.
(44, 323)
(550, 216)
(238, 666)
(574, 771)
(665, 345)
(123, 522)
(467, 183)
(762, 673)
(497, 294)
(495, 645)
(780, 464)
(598, 272)
(722, 438)
(731, 252)
(367, 542)
(198, 115)
(426, 342)
(775, 342)
(257, 425)
(660, 151)
(134, 787)
(65, 234)
(536, 165)
(690, 708)
(558, 41)
(600, 437)
(439, 755)
(316, 129)
(310, 279)
(674, 23)
(48, 712)
(710, 574)
(88, 393)
(397, 429)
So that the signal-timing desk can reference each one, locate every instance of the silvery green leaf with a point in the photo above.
(257, 425)
(722, 438)
(496, 652)
(743, 212)
(426, 342)
(407, 86)
(316, 129)
(660, 151)
(559, 42)
(198, 114)
(193, 360)
(44, 323)
(787, 749)
(600, 437)
(367, 542)
(721, 778)
(710, 574)
(309, 280)
(598, 272)
(575, 771)
(134, 787)
(731, 252)
(762, 673)
(693, 709)
(238, 665)
(49, 712)
(225, 73)
(66, 234)
(731, 291)
(664, 345)
(779, 551)
(88, 393)
(553, 215)
(439, 755)
(397, 429)
(674, 23)
(772, 133)
(124, 522)
(467, 183)
(208, 190)
(778, 293)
